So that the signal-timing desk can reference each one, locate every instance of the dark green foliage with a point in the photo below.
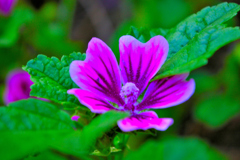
(21, 16)
(218, 95)
(176, 148)
(217, 110)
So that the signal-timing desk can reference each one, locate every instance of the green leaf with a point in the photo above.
(176, 148)
(198, 50)
(32, 126)
(179, 36)
(29, 126)
(26, 143)
(83, 142)
(33, 115)
(195, 39)
(51, 77)
(215, 111)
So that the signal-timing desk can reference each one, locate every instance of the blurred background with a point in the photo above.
(60, 27)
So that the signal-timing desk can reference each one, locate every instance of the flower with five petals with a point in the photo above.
(103, 83)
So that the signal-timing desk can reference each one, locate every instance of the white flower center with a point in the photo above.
(129, 93)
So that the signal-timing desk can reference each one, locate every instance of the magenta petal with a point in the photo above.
(139, 62)
(6, 6)
(75, 118)
(99, 73)
(144, 121)
(167, 92)
(95, 103)
(17, 86)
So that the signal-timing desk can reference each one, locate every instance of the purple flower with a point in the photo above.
(6, 6)
(75, 118)
(101, 79)
(17, 86)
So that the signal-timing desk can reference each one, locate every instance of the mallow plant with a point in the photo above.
(92, 102)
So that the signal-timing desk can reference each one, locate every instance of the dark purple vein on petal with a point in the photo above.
(139, 69)
(104, 103)
(98, 83)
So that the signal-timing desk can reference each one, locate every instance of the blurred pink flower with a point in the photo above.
(18, 84)
(75, 118)
(100, 79)
(6, 6)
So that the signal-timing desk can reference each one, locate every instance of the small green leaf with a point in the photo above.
(215, 111)
(120, 140)
(112, 150)
(176, 148)
(51, 77)
(103, 145)
(33, 115)
(104, 122)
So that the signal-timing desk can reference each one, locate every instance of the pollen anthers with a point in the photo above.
(129, 93)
